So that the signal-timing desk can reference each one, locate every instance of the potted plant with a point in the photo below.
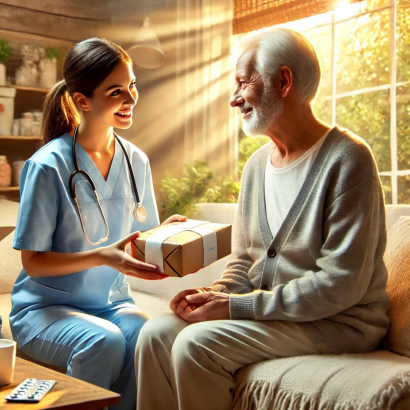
(48, 67)
(5, 55)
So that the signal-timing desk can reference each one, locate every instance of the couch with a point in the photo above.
(378, 380)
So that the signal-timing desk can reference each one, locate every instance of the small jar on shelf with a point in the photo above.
(15, 129)
(26, 124)
(36, 129)
(5, 172)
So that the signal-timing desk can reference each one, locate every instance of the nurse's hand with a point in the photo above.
(117, 258)
(174, 218)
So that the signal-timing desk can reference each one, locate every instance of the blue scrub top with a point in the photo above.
(48, 221)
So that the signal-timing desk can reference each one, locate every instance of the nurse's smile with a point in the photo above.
(124, 114)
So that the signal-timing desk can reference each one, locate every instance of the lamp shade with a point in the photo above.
(147, 51)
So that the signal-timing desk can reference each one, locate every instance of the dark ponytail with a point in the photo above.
(60, 114)
(86, 66)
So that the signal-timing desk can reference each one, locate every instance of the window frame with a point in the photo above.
(394, 172)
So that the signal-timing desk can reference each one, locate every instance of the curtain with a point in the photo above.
(254, 14)
(205, 82)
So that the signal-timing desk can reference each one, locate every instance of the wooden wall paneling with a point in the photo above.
(91, 9)
(24, 20)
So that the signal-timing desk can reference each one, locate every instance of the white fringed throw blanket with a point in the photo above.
(369, 381)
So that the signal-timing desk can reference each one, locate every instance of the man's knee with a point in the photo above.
(192, 341)
(160, 330)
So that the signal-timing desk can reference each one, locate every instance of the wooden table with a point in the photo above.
(68, 393)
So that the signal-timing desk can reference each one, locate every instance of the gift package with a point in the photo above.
(181, 248)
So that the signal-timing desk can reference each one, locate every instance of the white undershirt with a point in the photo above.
(282, 185)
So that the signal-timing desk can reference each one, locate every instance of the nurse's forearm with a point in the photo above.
(39, 264)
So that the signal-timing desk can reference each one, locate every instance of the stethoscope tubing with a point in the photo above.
(139, 211)
(87, 175)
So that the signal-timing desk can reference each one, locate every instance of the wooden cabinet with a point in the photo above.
(18, 148)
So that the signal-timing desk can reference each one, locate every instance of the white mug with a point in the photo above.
(7, 360)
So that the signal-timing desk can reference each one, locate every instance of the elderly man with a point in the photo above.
(307, 273)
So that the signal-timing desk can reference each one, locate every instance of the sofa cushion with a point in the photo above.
(5, 306)
(397, 258)
(151, 304)
(10, 264)
(370, 381)
(394, 212)
(10, 261)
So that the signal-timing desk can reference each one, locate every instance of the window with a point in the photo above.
(364, 51)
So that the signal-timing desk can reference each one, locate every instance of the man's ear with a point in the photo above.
(81, 101)
(286, 80)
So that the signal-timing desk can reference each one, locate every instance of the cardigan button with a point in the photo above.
(264, 287)
(271, 253)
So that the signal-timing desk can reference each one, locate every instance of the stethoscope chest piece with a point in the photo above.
(140, 213)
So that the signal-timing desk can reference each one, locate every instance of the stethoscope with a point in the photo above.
(140, 214)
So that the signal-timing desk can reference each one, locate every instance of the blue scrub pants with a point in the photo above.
(97, 349)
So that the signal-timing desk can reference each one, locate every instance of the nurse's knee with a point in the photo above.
(132, 325)
(110, 344)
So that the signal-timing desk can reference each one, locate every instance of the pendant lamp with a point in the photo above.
(147, 51)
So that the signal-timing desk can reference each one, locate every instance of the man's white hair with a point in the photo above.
(278, 47)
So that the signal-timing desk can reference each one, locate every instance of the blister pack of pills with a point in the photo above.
(30, 391)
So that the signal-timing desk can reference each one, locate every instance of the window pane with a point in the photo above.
(386, 184)
(322, 42)
(309, 22)
(321, 39)
(403, 42)
(402, 3)
(322, 108)
(368, 116)
(375, 4)
(403, 187)
(362, 52)
(345, 11)
(403, 127)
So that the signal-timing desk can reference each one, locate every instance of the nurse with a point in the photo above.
(71, 304)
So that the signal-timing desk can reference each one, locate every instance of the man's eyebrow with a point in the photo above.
(241, 77)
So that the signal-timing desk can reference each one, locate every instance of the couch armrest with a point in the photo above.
(377, 380)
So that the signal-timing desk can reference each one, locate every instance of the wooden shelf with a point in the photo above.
(9, 189)
(37, 89)
(21, 147)
(20, 138)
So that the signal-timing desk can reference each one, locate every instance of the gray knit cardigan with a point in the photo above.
(324, 269)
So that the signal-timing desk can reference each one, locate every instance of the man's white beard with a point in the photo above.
(262, 117)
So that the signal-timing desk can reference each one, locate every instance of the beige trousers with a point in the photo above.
(191, 367)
